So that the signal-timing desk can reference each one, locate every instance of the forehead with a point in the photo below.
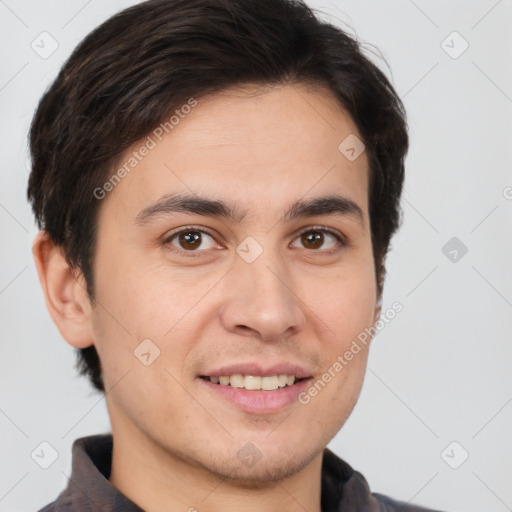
(264, 147)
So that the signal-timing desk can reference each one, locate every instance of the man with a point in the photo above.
(217, 183)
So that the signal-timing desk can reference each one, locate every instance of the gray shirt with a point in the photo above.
(88, 490)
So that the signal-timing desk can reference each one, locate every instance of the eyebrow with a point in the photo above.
(191, 204)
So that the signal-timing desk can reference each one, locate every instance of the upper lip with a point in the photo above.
(258, 369)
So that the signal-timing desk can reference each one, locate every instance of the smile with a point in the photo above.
(255, 394)
(254, 382)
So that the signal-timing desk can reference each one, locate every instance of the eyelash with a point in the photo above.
(323, 229)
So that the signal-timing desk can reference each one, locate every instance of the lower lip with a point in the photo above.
(258, 401)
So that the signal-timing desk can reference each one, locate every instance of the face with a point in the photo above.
(187, 297)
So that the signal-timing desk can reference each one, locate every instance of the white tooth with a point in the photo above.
(282, 380)
(269, 383)
(237, 381)
(252, 382)
(290, 380)
(224, 380)
(215, 380)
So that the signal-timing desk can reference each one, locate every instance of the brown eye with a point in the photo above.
(190, 240)
(315, 239)
(312, 239)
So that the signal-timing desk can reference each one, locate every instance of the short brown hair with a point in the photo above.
(130, 73)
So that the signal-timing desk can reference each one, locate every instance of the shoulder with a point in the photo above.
(344, 488)
(388, 504)
(59, 505)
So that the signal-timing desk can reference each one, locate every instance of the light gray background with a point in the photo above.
(439, 372)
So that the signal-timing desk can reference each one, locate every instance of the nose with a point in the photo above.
(261, 302)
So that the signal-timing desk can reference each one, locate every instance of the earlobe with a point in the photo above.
(64, 292)
(378, 309)
(376, 315)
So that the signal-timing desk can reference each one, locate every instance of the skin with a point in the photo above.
(175, 443)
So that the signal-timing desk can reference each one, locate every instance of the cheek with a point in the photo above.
(147, 300)
(143, 310)
(345, 302)
(346, 306)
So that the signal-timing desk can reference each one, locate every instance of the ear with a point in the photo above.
(378, 309)
(376, 314)
(64, 292)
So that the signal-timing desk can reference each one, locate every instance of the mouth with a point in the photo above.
(254, 382)
(255, 394)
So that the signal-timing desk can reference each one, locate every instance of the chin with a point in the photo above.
(250, 467)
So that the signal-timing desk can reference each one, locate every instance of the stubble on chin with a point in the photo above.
(268, 470)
